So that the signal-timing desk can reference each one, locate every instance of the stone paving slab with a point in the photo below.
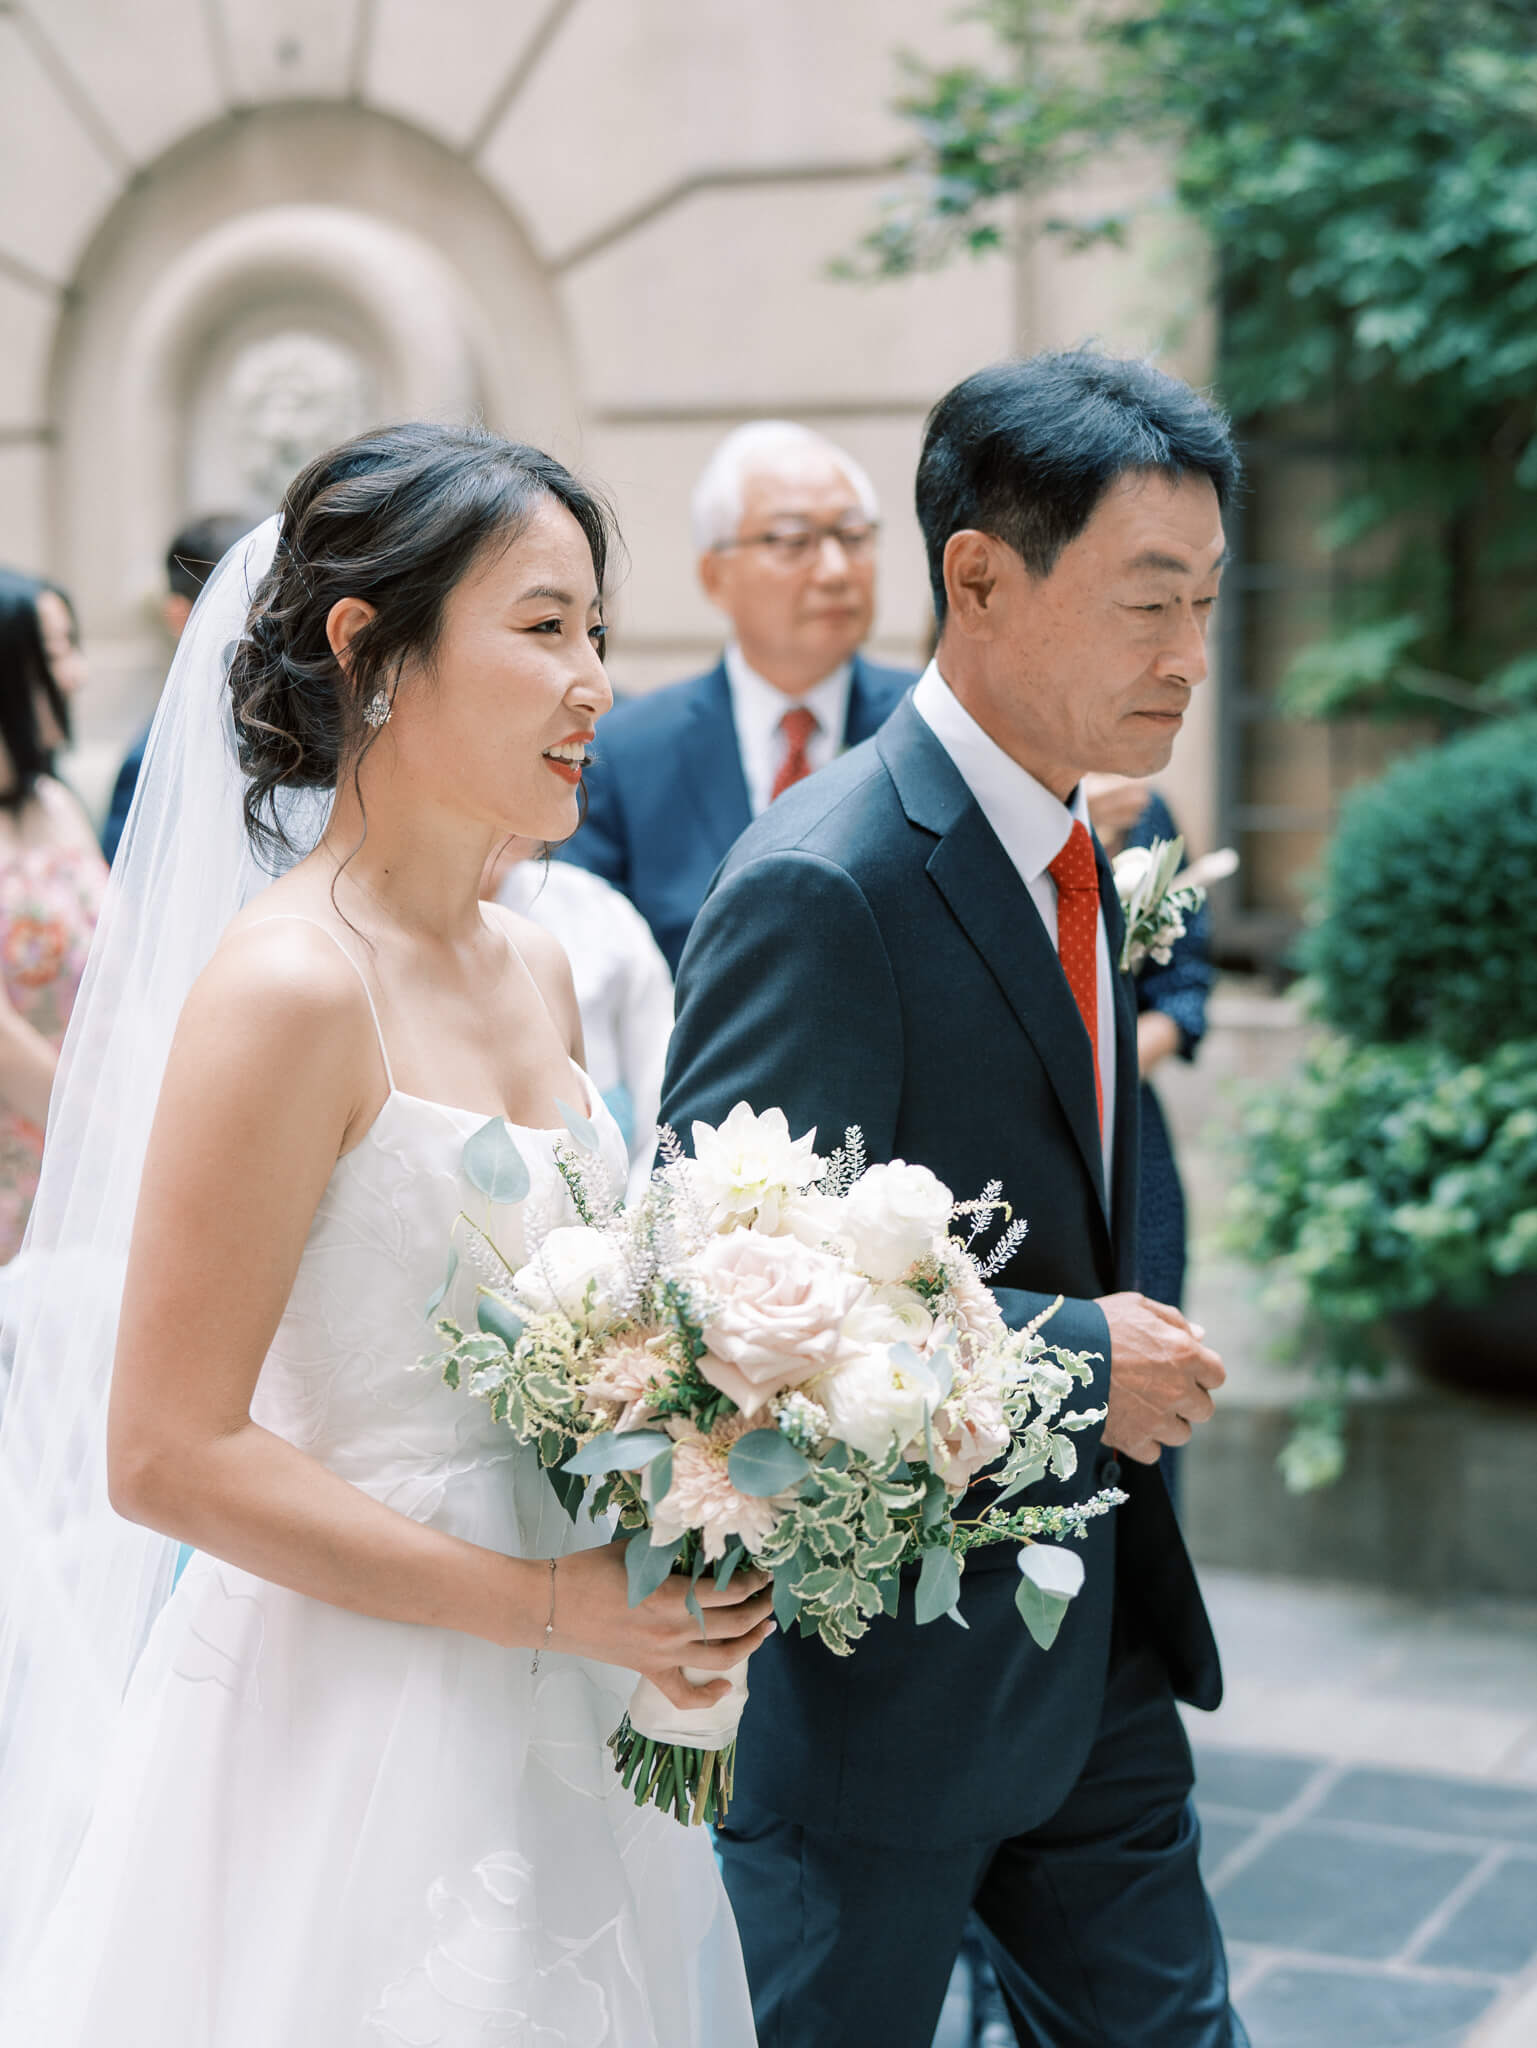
(1368, 1801)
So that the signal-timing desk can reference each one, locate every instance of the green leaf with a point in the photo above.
(786, 1605)
(936, 1500)
(939, 1584)
(659, 1475)
(619, 1451)
(494, 1165)
(725, 1569)
(648, 1565)
(497, 1318)
(569, 1489)
(891, 1594)
(580, 1127)
(764, 1463)
(435, 1301)
(1042, 1612)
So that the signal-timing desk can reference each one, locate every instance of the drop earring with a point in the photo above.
(376, 712)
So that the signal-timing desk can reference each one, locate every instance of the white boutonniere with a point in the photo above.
(1158, 898)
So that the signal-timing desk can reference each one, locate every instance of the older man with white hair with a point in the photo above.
(785, 524)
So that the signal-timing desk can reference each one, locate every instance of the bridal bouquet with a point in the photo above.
(775, 1362)
(1157, 896)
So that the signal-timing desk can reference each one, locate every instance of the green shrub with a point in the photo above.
(1386, 1177)
(1428, 925)
(1390, 1175)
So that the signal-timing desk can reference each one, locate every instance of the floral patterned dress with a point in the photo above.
(50, 898)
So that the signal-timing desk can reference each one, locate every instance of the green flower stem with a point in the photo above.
(693, 1785)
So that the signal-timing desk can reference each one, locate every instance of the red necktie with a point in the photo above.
(1076, 874)
(797, 726)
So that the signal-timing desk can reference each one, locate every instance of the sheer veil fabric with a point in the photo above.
(79, 1587)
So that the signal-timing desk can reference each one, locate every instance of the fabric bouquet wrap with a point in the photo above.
(778, 1362)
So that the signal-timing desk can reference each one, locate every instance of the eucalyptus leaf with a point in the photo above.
(659, 1475)
(1041, 1611)
(580, 1127)
(619, 1451)
(494, 1165)
(939, 1584)
(786, 1606)
(725, 1570)
(764, 1463)
(498, 1319)
(435, 1301)
(648, 1565)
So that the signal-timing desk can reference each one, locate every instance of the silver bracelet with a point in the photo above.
(549, 1626)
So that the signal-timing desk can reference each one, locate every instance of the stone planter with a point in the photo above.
(1489, 1346)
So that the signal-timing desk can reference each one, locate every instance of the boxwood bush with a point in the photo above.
(1427, 919)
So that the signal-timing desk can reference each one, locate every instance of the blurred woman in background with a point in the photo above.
(51, 877)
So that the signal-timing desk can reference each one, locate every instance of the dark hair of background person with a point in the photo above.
(395, 518)
(198, 549)
(25, 677)
(1025, 450)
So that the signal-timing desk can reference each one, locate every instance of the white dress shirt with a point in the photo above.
(623, 990)
(1033, 827)
(756, 710)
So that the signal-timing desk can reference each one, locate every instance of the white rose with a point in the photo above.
(876, 1402)
(890, 1315)
(1130, 868)
(895, 1215)
(569, 1262)
(750, 1166)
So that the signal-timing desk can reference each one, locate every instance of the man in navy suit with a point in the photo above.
(923, 941)
(786, 526)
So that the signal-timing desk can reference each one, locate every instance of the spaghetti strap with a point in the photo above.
(297, 917)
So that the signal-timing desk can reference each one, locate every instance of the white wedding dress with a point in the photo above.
(327, 1831)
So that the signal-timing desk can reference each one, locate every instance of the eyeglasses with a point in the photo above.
(794, 547)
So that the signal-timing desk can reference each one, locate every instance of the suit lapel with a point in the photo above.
(993, 907)
(711, 760)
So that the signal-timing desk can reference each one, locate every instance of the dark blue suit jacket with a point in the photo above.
(666, 797)
(869, 955)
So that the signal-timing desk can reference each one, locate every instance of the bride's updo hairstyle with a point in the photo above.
(395, 518)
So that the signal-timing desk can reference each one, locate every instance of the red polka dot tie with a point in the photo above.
(1076, 874)
(797, 726)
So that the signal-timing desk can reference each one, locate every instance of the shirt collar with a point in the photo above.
(1032, 825)
(758, 707)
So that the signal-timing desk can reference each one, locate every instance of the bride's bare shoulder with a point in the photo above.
(284, 981)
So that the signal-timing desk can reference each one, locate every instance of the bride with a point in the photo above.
(347, 1784)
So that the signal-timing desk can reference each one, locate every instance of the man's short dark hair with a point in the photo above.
(199, 548)
(1025, 450)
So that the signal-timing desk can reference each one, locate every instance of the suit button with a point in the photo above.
(1110, 1471)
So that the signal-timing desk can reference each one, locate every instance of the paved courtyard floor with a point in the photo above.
(1368, 1800)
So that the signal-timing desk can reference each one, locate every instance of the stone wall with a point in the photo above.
(228, 227)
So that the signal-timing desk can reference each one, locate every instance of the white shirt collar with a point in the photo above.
(1032, 825)
(757, 709)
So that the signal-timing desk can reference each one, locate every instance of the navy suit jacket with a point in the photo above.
(666, 797)
(869, 955)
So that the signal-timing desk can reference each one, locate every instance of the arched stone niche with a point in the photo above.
(278, 280)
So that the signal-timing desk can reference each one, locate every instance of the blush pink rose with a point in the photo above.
(970, 1432)
(779, 1313)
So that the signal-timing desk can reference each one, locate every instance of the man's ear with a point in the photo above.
(345, 620)
(713, 574)
(971, 582)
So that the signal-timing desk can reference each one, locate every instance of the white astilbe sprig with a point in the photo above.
(1013, 1237)
(982, 1211)
(845, 1165)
